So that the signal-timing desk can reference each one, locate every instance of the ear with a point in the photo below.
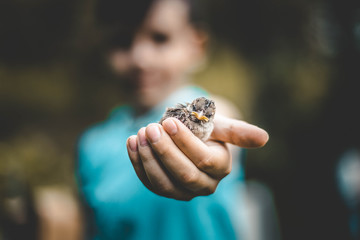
(200, 38)
(199, 41)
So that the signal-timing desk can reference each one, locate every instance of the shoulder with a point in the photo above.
(225, 107)
(97, 132)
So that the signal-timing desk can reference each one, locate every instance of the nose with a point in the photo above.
(141, 54)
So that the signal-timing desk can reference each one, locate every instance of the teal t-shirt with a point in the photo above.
(121, 207)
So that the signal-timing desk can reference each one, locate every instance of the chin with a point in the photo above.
(150, 96)
(147, 101)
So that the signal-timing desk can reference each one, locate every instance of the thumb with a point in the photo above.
(238, 132)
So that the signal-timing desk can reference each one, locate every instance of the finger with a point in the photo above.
(214, 160)
(238, 132)
(177, 163)
(132, 148)
(157, 175)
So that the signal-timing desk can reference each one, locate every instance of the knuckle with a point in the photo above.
(189, 178)
(228, 170)
(164, 188)
(161, 150)
(208, 190)
(188, 198)
(211, 190)
(145, 155)
(206, 163)
(185, 198)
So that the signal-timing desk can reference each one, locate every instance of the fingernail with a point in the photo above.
(170, 126)
(153, 133)
(132, 143)
(142, 138)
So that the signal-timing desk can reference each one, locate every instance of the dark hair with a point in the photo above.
(197, 12)
(112, 15)
(119, 12)
(133, 12)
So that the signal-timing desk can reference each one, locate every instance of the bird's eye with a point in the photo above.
(209, 111)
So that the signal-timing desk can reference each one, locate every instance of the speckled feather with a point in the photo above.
(201, 128)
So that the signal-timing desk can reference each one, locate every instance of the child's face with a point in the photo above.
(154, 60)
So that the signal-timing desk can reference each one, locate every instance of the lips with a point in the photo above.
(143, 80)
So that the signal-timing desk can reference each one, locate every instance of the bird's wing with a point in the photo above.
(179, 112)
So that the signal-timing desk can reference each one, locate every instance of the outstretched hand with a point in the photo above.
(172, 162)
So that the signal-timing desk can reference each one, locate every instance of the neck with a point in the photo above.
(143, 107)
(141, 110)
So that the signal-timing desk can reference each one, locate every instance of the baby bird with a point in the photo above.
(198, 116)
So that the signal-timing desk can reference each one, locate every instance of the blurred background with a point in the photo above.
(290, 66)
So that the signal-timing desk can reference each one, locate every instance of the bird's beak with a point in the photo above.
(200, 116)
